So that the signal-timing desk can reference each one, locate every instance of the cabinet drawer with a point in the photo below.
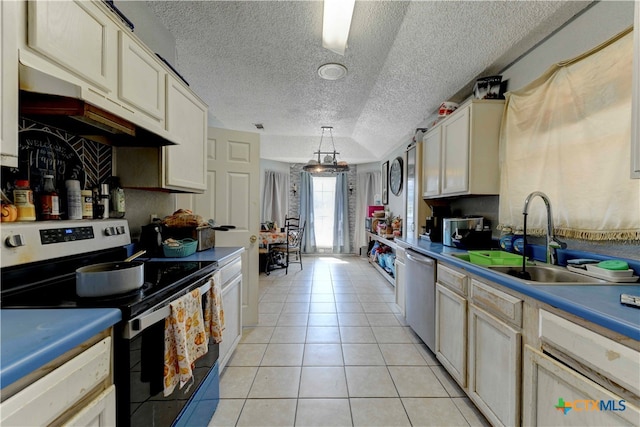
(46, 399)
(453, 279)
(611, 359)
(229, 271)
(500, 304)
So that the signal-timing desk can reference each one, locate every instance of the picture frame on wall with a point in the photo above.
(385, 183)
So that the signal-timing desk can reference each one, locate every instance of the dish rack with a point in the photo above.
(615, 276)
(179, 248)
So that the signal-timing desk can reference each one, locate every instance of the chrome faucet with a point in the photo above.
(552, 242)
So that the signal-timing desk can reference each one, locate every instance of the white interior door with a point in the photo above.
(233, 198)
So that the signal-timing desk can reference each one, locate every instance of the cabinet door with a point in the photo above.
(141, 80)
(187, 122)
(451, 333)
(8, 84)
(494, 368)
(232, 304)
(554, 394)
(100, 412)
(58, 392)
(455, 153)
(431, 159)
(400, 282)
(76, 35)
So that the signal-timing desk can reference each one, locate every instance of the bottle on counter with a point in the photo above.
(87, 204)
(518, 241)
(101, 202)
(23, 200)
(104, 199)
(117, 199)
(49, 200)
(74, 199)
(506, 239)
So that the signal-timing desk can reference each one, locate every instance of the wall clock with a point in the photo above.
(395, 176)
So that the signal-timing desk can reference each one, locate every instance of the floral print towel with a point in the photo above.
(185, 340)
(213, 310)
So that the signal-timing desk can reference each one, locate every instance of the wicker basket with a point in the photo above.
(185, 248)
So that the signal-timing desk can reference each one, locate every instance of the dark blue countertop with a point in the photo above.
(219, 254)
(32, 338)
(599, 304)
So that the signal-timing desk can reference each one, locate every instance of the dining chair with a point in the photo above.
(293, 245)
(292, 221)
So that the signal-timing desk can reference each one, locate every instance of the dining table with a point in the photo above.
(272, 237)
(269, 238)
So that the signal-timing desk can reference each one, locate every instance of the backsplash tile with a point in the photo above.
(45, 150)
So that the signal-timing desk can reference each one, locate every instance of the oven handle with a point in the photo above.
(142, 322)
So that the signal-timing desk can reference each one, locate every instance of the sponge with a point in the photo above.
(614, 264)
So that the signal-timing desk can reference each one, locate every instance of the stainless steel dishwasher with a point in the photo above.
(420, 294)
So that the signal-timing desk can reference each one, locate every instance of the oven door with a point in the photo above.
(139, 369)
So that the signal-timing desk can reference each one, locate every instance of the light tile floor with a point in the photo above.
(331, 349)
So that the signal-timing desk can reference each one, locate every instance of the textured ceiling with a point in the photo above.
(256, 62)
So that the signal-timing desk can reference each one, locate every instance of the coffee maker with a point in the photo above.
(434, 223)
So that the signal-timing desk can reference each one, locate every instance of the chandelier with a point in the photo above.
(329, 163)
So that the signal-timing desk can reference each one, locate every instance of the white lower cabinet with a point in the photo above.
(451, 333)
(494, 367)
(400, 279)
(100, 412)
(61, 396)
(231, 275)
(554, 394)
(495, 351)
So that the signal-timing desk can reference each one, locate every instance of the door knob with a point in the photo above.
(253, 238)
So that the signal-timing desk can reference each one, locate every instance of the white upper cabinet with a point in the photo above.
(179, 168)
(81, 49)
(76, 35)
(455, 153)
(186, 165)
(635, 118)
(8, 85)
(461, 152)
(141, 80)
(431, 162)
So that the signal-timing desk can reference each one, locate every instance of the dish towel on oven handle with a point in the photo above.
(185, 340)
(213, 310)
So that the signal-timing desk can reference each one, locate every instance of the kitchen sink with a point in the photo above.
(547, 275)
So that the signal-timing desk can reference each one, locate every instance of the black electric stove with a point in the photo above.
(39, 261)
(27, 289)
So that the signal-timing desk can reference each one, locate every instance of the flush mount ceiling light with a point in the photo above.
(330, 163)
(336, 22)
(332, 71)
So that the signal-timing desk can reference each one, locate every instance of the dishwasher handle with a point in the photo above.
(414, 256)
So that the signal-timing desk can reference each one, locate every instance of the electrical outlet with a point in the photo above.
(153, 217)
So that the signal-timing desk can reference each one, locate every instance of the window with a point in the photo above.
(324, 198)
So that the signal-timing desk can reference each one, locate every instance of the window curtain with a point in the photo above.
(306, 212)
(567, 134)
(368, 184)
(341, 244)
(275, 197)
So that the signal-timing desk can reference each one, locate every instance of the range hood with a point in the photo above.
(52, 101)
